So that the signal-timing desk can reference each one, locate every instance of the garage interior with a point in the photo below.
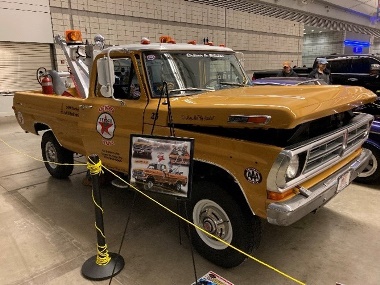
(47, 224)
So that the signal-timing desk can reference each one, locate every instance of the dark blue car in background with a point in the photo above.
(371, 173)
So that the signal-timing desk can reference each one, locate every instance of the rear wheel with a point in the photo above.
(54, 155)
(178, 186)
(218, 213)
(371, 174)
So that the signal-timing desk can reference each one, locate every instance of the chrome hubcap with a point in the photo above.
(51, 154)
(209, 216)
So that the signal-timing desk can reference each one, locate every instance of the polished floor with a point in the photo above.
(47, 232)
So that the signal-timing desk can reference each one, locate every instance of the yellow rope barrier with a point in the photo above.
(103, 256)
(37, 159)
(95, 168)
(211, 235)
(93, 200)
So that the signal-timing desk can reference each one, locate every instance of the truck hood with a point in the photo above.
(287, 106)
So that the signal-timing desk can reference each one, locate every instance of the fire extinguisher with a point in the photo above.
(45, 80)
(47, 84)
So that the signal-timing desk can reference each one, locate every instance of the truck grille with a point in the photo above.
(320, 153)
(334, 147)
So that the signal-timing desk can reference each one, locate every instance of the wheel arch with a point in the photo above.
(38, 127)
(150, 177)
(205, 170)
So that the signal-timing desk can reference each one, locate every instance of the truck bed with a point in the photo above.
(37, 112)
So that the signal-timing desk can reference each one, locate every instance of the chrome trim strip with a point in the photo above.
(290, 211)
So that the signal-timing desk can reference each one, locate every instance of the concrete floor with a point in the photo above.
(47, 232)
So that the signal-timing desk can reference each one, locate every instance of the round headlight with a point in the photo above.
(292, 169)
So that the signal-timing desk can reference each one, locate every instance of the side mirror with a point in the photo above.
(106, 76)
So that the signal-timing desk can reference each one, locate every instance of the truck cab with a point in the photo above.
(355, 70)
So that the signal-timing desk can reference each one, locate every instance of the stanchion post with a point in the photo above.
(105, 264)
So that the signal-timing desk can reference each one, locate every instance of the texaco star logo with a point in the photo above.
(105, 126)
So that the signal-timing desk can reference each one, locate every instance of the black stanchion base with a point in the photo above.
(93, 271)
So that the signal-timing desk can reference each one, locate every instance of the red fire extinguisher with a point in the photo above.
(47, 85)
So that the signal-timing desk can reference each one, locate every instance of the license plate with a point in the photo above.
(343, 181)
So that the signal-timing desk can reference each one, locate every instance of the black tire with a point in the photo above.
(178, 186)
(53, 152)
(371, 174)
(210, 204)
(149, 183)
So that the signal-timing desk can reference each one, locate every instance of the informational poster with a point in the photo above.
(211, 278)
(162, 164)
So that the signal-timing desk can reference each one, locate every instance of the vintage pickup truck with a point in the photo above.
(157, 173)
(260, 152)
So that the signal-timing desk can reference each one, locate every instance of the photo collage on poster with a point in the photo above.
(161, 164)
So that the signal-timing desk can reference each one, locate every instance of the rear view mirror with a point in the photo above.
(106, 76)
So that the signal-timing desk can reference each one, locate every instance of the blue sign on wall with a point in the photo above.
(357, 49)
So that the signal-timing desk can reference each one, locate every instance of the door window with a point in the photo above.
(126, 83)
(340, 65)
(360, 65)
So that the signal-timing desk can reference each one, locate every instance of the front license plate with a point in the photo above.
(343, 181)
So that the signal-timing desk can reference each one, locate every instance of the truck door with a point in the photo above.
(340, 70)
(106, 123)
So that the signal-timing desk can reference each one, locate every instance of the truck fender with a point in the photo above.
(217, 173)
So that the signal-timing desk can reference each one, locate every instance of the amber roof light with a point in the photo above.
(73, 37)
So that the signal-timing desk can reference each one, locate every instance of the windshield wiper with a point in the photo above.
(190, 89)
(233, 84)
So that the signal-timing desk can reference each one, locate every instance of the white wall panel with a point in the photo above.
(25, 21)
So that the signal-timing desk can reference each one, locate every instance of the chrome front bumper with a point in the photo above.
(287, 212)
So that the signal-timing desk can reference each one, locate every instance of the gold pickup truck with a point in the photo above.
(260, 152)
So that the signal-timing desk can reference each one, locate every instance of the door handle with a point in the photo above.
(83, 107)
(352, 79)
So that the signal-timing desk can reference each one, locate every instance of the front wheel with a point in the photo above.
(55, 155)
(218, 213)
(371, 174)
(149, 183)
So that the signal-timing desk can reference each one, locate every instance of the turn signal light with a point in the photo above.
(167, 39)
(252, 119)
(73, 37)
(279, 196)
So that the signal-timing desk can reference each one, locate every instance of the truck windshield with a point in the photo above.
(188, 73)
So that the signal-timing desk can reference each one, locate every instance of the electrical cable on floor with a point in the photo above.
(191, 246)
(124, 233)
